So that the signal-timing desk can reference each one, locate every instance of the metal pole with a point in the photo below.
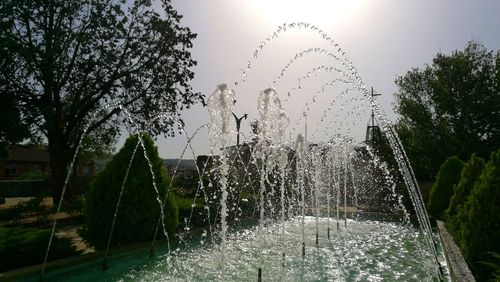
(373, 123)
(373, 116)
(238, 125)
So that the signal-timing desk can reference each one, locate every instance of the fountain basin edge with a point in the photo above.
(458, 268)
(76, 261)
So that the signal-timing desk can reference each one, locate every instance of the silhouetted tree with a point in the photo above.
(64, 60)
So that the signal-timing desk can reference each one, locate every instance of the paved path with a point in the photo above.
(71, 232)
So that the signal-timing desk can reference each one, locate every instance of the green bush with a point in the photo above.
(493, 263)
(442, 190)
(197, 213)
(20, 247)
(455, 213)
(25, 209)
(74, 206)
(32, 175)
(481, 227)
(139, 209)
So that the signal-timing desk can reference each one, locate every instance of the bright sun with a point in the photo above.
(320, 12)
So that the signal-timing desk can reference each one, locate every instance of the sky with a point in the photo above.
(383, 39)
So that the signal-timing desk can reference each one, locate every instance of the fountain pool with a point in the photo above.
(365, 250)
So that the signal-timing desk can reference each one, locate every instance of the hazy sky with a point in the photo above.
(384, 39)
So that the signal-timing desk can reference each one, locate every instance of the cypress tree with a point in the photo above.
(455, 213)
(481, 227)
(442, 190)
(139, 208)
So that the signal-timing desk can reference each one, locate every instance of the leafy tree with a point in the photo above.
(442, 190)
(450, 108)
(63, 61)
(481, 228)
(455, 212)
(139, 209)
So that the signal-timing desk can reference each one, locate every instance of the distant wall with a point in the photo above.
(33, 188)
(23, 188)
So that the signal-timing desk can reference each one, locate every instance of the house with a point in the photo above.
(25, 159)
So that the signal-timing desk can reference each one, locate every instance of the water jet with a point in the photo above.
(287, 189)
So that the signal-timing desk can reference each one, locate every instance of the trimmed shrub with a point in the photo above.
(139, 209)
(481, 227)
(20, 247)
(442, 190)
(455, 213)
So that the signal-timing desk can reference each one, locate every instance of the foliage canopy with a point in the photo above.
(12, 127)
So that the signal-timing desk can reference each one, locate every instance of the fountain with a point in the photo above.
(270, 201)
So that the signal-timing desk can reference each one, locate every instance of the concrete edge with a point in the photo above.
(459, 269)
(34, 270)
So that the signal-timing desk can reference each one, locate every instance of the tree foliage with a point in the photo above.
(63, 61)
(442, 190)
(450, 108)
(455, 214)
(481, 227)
(12, 128)
(139, 209)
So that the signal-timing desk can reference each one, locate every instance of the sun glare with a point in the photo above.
(320, 12)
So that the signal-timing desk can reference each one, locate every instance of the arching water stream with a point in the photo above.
(308, 205)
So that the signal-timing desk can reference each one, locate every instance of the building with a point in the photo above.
(25, 159)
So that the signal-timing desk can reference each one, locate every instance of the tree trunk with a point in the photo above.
(59, 162)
